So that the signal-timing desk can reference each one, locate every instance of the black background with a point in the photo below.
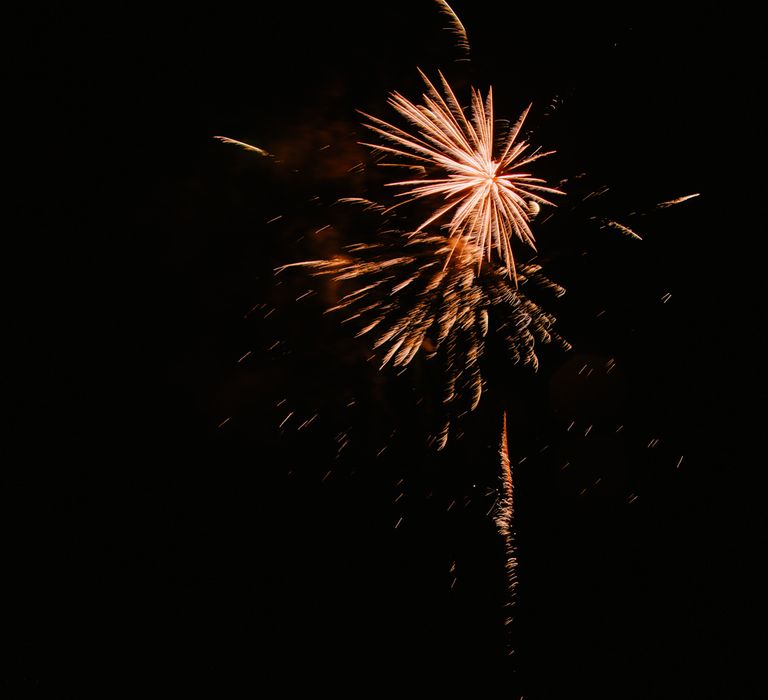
(149, 547)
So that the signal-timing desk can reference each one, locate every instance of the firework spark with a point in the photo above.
(456, 28)
(677, 200)
(242, 144)
(486, 195)
(610, 223)
(504, 518)
(410, 299)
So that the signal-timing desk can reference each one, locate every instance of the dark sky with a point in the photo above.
(149, 546)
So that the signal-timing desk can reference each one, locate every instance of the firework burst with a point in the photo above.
(409, 299)
(487, 196)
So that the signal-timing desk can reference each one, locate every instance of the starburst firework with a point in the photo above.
(487, 197)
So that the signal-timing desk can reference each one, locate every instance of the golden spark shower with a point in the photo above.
(419, 292)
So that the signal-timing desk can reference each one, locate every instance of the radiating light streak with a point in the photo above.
(482, 195)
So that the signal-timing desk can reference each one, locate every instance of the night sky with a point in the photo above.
(169, 531)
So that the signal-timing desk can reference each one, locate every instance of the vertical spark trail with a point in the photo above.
(504, 519)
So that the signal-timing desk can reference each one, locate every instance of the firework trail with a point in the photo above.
(243, 145)
(456, 28)
(677, 200)
(626, 230)
(504, 519)
(424, 293)
(485, 194)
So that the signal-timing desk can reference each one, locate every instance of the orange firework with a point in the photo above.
(409, 299)
(505, 517)
(486, 196)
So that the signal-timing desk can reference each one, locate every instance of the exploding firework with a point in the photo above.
(424, 293)
(484, 195)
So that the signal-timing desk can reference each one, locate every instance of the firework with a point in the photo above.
(424, 293)
(456, 28)
(243, 145)
(482, 195)
(505, 516)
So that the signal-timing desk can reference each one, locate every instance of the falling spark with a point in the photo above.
(410, 301)
(624, 229)
(679, 200)
(487, 195)
(456, 28)
(242, 144)
(308, 422)
(504, 518)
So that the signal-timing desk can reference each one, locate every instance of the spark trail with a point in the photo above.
(456, 28)
(243, 145)
(504, 519)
